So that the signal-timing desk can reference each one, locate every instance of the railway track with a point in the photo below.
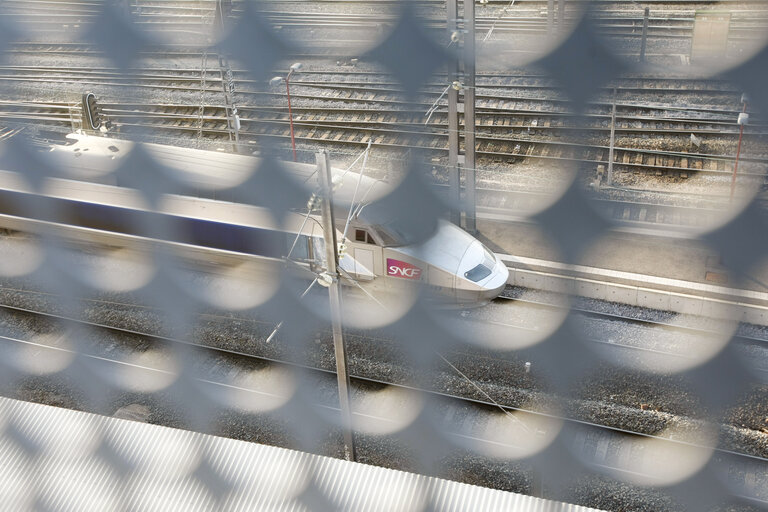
(492, 204)
(518, 205)
(373, 80)
(495, 110)
(622, 213)
(520, 119)
(521, 17)
(538, 2)
(695, 334)
(685, 101)
(527, 108)
(314, 129)
(472, 421)
(532, 123)
(666, 337)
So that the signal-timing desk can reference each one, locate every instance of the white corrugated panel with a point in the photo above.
(57, 459)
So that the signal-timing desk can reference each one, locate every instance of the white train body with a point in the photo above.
(452, 264)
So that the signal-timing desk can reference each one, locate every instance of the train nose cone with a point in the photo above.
(485, 275)
(497, 281)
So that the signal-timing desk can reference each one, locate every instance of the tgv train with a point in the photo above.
(451, 263)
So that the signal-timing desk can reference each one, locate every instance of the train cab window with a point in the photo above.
(478, 273)
(362, 235)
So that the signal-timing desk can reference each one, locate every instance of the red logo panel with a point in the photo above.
(402, 269)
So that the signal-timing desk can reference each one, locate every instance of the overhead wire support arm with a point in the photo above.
(301, 229)
(277, 328)
(354, 194)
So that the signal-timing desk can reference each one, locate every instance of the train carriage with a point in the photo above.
(452, 264)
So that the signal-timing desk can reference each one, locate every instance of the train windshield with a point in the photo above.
(478, 273)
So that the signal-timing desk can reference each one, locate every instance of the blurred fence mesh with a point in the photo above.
(157, 289)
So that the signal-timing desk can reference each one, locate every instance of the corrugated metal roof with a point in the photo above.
(58, 459)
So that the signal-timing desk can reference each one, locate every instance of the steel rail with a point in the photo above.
(20, 73)
(362, 382)
(580, 153)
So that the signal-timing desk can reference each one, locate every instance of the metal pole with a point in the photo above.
(609, 178)
(290, 114)
(228, 88)
(738, 152)
(644, 39)
(223, 10)
(123, 6)
(550, 15)
(469, 115)
(332, 257)
(454, 183)
(537, 484)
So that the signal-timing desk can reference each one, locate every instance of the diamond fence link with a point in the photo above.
(175, 300)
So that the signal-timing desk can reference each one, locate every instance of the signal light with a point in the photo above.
(93, 116)
(92, 111)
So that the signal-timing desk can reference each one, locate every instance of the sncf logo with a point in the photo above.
(399, 268)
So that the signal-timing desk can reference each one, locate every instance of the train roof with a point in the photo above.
(184, 206)
(94, 158)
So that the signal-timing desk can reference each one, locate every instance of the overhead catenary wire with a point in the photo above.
(298, 235)
(279, 325)
(493, 25)
(435, 105)
(349, 167)
(486, 395)
(358, 285)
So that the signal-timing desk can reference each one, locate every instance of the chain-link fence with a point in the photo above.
(188, 284)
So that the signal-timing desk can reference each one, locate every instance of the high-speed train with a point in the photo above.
(451, 263)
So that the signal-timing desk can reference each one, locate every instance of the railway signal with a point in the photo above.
(92, 112)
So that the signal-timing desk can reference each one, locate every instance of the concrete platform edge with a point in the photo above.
(666, 294)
